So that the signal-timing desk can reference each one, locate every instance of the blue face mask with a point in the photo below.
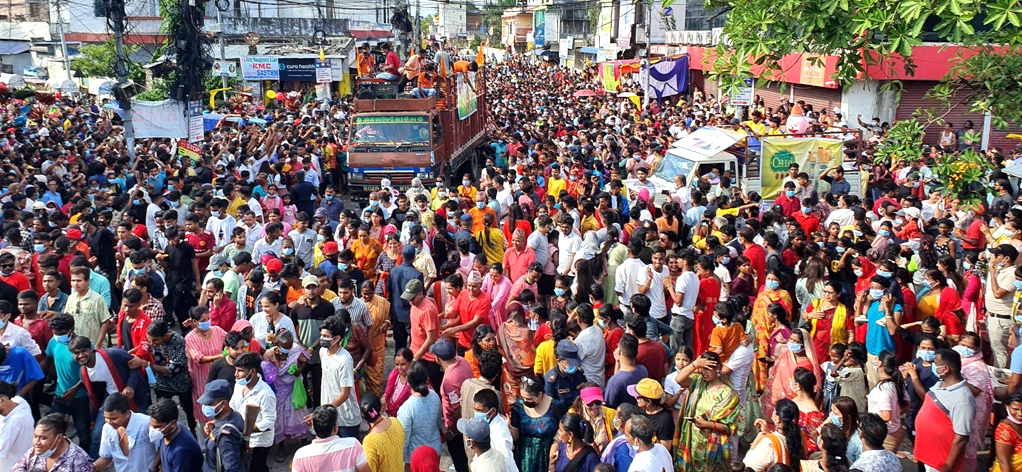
(964, 351)
(717, 321)
(773, 284)
(243, 382)
(795, 347)
(136, 202)
(374, 203)
(559, 292)
(215, 214)
(790, 193)
(289, 251)
(926, 283)
(467, 183)
(39, 248)
(835, 419)
(342, 266)
(209, 410)
(926, 355)
(725, 260)
(884, 273)
(63, 338)
(857, 233)
(283, 350)
(328, 197)
(899, 222)
(966, 265)
(482, 415)
(840, 249)
(807, 210)
(570, 369)
(885, 233)
(480, 205)
(876, 293)
(205, 325)
(172, 204)
(933, 368)
(1018, 285)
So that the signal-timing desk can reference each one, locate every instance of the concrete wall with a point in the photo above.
(865, 98)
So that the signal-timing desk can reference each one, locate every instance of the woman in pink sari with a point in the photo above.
(498, 287)
(976, 372)
(397, 383)
(515, 344)
(788, 357)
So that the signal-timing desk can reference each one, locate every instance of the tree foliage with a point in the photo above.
(865, 33)
(100, 60)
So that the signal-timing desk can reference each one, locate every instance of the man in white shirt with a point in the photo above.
(328, 451)
(253, 228)
(16, 426)
(304, 239)
(651, 281)
(650, 457)
(338, 385)
(592, 349)
(477, 436)
(271, 243)
(568, 243)
(250, 389)
(14, 335)
(486, 404)
(151, 211)
(843, 215)
(684, 293)
(220, 223)
(504, 196)
(138, 452)
(627, 276)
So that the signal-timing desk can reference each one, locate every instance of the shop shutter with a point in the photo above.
(913, 97)
(818, 97)
(770, 93)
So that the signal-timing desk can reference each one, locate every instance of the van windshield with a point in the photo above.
(390, 130)
(673, 165)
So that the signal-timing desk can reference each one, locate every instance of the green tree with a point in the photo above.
(425, 23)
(100, 60)
(866, 32)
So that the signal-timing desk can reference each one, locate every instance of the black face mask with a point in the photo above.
(530, 404)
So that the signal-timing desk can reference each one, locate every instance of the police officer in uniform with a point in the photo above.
(562, 382)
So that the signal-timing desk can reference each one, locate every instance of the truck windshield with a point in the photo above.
(390, 130)
(673, 165)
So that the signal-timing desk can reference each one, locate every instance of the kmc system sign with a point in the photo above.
(260, 68)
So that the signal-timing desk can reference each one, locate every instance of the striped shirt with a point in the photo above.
(333, 454)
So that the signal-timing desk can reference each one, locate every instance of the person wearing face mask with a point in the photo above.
(251, 390)
(179, 451)
(709, 415)
(650, 455)
(976, 373)
(562, 382)
(950, 412)
(882, 315)
(222, 435)
(455, 372)
(220, 224)
(338, 374)
(1008, 437)
(51, 446)
(999, 296)
(125, 443)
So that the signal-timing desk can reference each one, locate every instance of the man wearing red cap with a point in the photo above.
(329, 265)
(273, 279)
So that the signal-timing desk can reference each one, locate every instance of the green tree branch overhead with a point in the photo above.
(868, 32)
(99, 60)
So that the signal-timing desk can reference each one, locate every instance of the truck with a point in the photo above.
(400, 138)
(727, 150)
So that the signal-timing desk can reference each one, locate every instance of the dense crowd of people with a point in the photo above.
(233, 311)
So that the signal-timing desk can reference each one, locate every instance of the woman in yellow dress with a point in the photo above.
(366, 250)
(763, 324)
(379, 313)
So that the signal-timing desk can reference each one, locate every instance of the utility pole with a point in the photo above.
(63, 43)
(418, 31)
(223, 55)
(649, 66)
(117, 18)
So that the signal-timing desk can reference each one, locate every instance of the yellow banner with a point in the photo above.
(813, 156)
(609, 81)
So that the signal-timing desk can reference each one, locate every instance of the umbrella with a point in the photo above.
(585, 93)
(626, 94)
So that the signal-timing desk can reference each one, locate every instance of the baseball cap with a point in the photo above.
(320, 212)
(646, 388)
(443, 349)
(37, 205)
(412, 288)
(330, 247)
(274, 265)
(216, 260)
(591, 394)
(1005, 250)
(218, 389)
(568, 351)
(310, 280)
(466, 218)
(475, 429)
(74, 234)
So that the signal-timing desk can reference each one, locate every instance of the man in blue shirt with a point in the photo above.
(19, 367)
(179, 452)
(70, 398)
(137, 453)
(883, 318)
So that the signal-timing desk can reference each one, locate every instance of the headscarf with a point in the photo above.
(644, 196)
(869, 269)
(425, 459)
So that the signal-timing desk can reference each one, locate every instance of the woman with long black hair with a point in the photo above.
(784, 445)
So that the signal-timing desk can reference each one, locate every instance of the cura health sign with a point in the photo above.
(260, 68)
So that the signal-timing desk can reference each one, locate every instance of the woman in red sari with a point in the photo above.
(864, 270)
(709, 295)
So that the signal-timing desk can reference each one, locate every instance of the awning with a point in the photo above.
(588, 50)
(370, 34)
(8, 48)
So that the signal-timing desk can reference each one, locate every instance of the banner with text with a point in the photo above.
(260, 68)
(813, 156)
(468, 100)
